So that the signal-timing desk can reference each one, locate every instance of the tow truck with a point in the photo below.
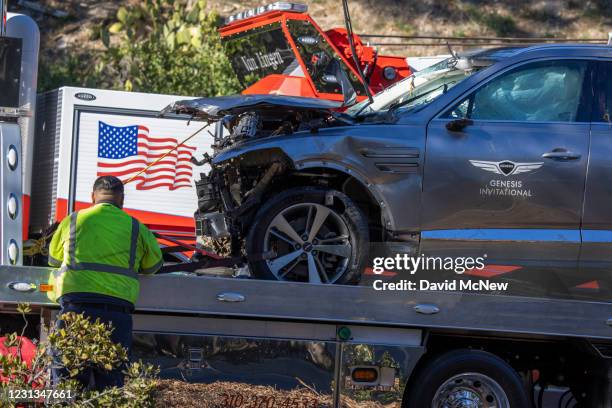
(279, 49)
(331, 345)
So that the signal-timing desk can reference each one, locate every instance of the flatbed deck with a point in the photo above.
(361, 305)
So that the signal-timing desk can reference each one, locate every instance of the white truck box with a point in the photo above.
(71, 122)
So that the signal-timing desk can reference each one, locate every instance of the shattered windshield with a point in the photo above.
(417, 90)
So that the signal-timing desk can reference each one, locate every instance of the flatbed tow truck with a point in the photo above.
(350, 345)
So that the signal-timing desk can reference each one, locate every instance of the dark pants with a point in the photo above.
(121, 320)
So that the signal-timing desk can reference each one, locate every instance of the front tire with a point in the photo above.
(317, 235)
(466, 378)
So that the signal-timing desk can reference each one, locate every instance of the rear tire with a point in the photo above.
(468, 376)
(314, 240)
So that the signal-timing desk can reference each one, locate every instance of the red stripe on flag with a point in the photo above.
(145, 162)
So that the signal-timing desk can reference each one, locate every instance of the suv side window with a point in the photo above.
(550, 91)
(603, 104)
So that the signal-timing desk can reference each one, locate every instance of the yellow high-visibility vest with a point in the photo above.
(101, 250)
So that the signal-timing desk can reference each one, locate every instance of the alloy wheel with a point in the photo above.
(312, 244)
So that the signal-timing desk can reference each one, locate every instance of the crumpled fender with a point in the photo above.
(329, 148)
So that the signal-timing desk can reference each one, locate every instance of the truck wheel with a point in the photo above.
(317, 235)
(467, 378)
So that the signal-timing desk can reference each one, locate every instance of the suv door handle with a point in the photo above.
(563, 155)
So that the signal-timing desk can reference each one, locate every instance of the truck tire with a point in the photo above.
(309, 234)
(468, 377)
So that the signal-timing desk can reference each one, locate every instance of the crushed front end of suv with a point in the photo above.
(484, 153)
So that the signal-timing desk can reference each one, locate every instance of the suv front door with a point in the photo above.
(509, 185)
(596, 253)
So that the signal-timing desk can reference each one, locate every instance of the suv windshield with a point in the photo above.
(417, 90)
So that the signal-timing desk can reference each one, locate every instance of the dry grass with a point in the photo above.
(171, 393)
(464, 18)
(539, 18)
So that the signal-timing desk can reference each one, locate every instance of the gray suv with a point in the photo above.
(504, 153)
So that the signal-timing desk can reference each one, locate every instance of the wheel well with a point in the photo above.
(571, 363)
(337, 180)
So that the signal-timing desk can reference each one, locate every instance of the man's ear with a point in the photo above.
(121, 200)
(93, 197)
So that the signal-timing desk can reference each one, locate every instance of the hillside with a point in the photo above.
(72, 37)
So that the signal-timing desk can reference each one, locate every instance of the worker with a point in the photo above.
(99, 252)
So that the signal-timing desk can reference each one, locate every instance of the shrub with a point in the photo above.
(91, 346)
(167, 46)
(162, 46)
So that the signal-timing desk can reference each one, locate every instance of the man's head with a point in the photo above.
(108, 189)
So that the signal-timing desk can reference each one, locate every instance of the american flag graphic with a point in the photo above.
(125, 151)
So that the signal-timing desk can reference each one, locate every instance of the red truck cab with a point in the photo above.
(279, 49)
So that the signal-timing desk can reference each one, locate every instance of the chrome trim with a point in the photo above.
(231, 297)
(426, 309)
(187, 325)
(386, 336)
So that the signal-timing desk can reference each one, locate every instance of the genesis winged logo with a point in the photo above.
(506, 167)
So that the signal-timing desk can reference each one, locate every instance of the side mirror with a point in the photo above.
(458, 125)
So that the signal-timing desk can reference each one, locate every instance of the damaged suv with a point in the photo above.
(482, 154)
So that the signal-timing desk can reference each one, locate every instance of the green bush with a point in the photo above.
(167, 46)
(160, 46)
(80, 344)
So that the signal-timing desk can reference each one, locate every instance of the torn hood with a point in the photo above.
(217, 108)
